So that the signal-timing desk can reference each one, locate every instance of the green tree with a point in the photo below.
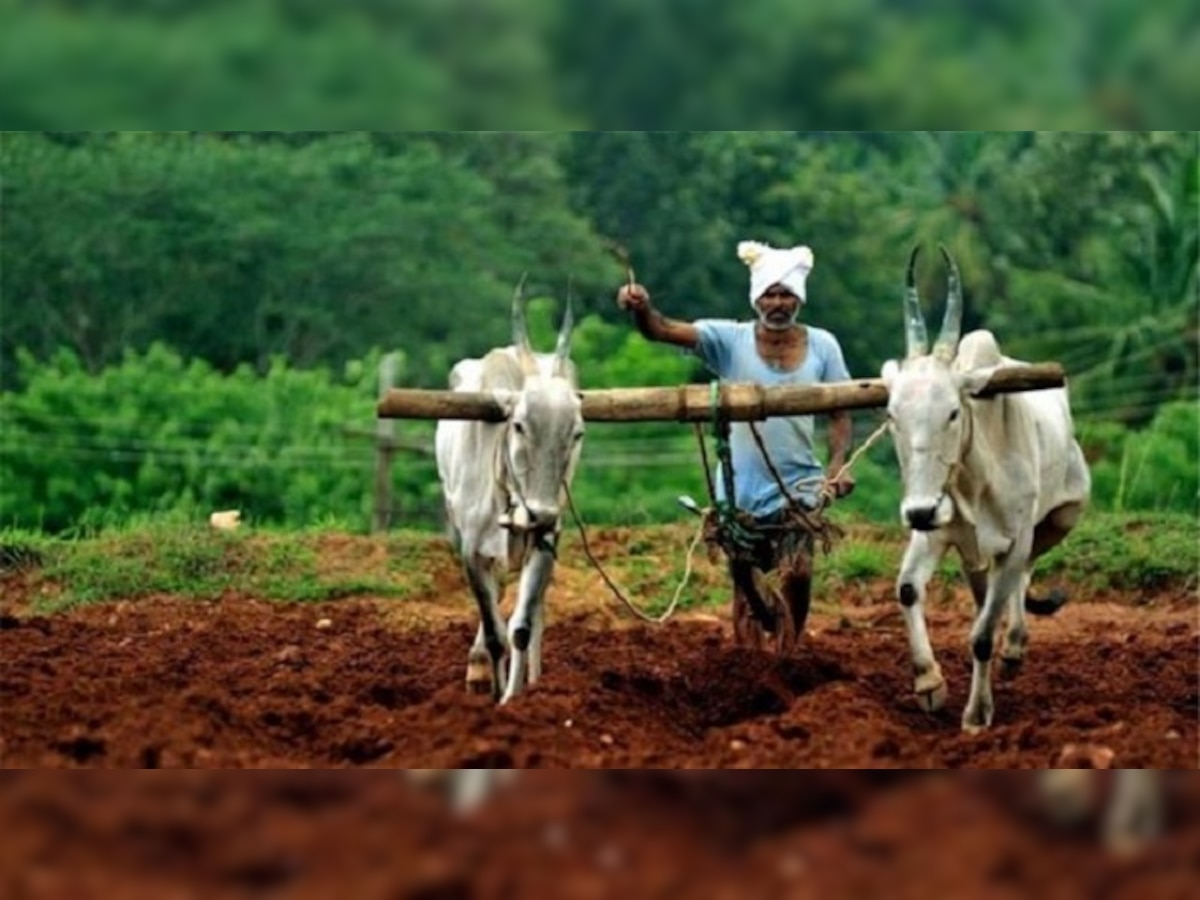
(237, 249)
(1104, 270)
(274, 63)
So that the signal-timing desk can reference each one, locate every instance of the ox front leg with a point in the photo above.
(485, 662)
(920, 560)
(523, 626)
(1135, 812)
(535, 642)
(1006, 580)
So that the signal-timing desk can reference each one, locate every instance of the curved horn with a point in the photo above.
(562, 350)
(520, 328)
(947, 342)
(914, 322)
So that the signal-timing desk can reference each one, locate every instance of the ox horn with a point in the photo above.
(914, 322)
(947, 342)
(562, 350)
(520, 327)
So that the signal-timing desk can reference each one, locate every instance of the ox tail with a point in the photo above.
(1046, 606)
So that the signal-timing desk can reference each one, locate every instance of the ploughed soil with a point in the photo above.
(246, 683)
(370, 683)
(619, 834)
(243, 682)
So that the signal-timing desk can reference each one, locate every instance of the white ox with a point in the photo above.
(1000, 479)
(504, 484)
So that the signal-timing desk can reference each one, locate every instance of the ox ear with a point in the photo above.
(974, 381)
(888, 373)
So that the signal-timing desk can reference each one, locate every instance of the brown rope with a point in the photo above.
(612, 585)
(813, 521)
(762, 449)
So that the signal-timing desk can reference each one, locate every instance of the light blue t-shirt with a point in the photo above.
(728, 349)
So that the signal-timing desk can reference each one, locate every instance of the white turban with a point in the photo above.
(769, 265)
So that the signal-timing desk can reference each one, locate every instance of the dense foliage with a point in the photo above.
(673, 64)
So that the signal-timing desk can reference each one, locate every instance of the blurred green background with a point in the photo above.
(193, 320)
(673, 64)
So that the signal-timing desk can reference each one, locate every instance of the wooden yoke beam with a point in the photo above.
(691, 403)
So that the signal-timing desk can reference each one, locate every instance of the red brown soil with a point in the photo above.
(248, 683)
(625, 835)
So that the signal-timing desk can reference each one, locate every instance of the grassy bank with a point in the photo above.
(1134, 554)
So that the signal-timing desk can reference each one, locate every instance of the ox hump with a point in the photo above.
(978, 350)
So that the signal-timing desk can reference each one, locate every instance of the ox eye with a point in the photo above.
(953, 414)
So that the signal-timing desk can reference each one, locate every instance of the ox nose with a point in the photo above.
(541, 516)
(922, 518)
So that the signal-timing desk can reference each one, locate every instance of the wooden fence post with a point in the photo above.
(385, 449)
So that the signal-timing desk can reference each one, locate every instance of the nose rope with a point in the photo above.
(503, 468)
(514, 496)
(827, 481)
(544, 539)
(964, 441)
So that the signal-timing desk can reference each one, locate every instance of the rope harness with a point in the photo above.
(516, 516)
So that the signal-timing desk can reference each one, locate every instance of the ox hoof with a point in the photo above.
(976, 721)
(482, 688)
(1011, 665)
(931, 691)
(479, 686)
(933, 699)
(479, 678)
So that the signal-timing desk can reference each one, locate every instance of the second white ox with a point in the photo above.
(504, 484)
(1001, 479)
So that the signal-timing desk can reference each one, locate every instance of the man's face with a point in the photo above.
(778, 308)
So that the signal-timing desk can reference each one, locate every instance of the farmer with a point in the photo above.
(775, 348)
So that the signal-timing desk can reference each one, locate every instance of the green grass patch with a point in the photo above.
(159, 560)
(854, 560)
(1129, 552)
(185, 559)
(172, 556)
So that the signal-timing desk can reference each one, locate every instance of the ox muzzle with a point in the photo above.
(927, 514)
(540, 522)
